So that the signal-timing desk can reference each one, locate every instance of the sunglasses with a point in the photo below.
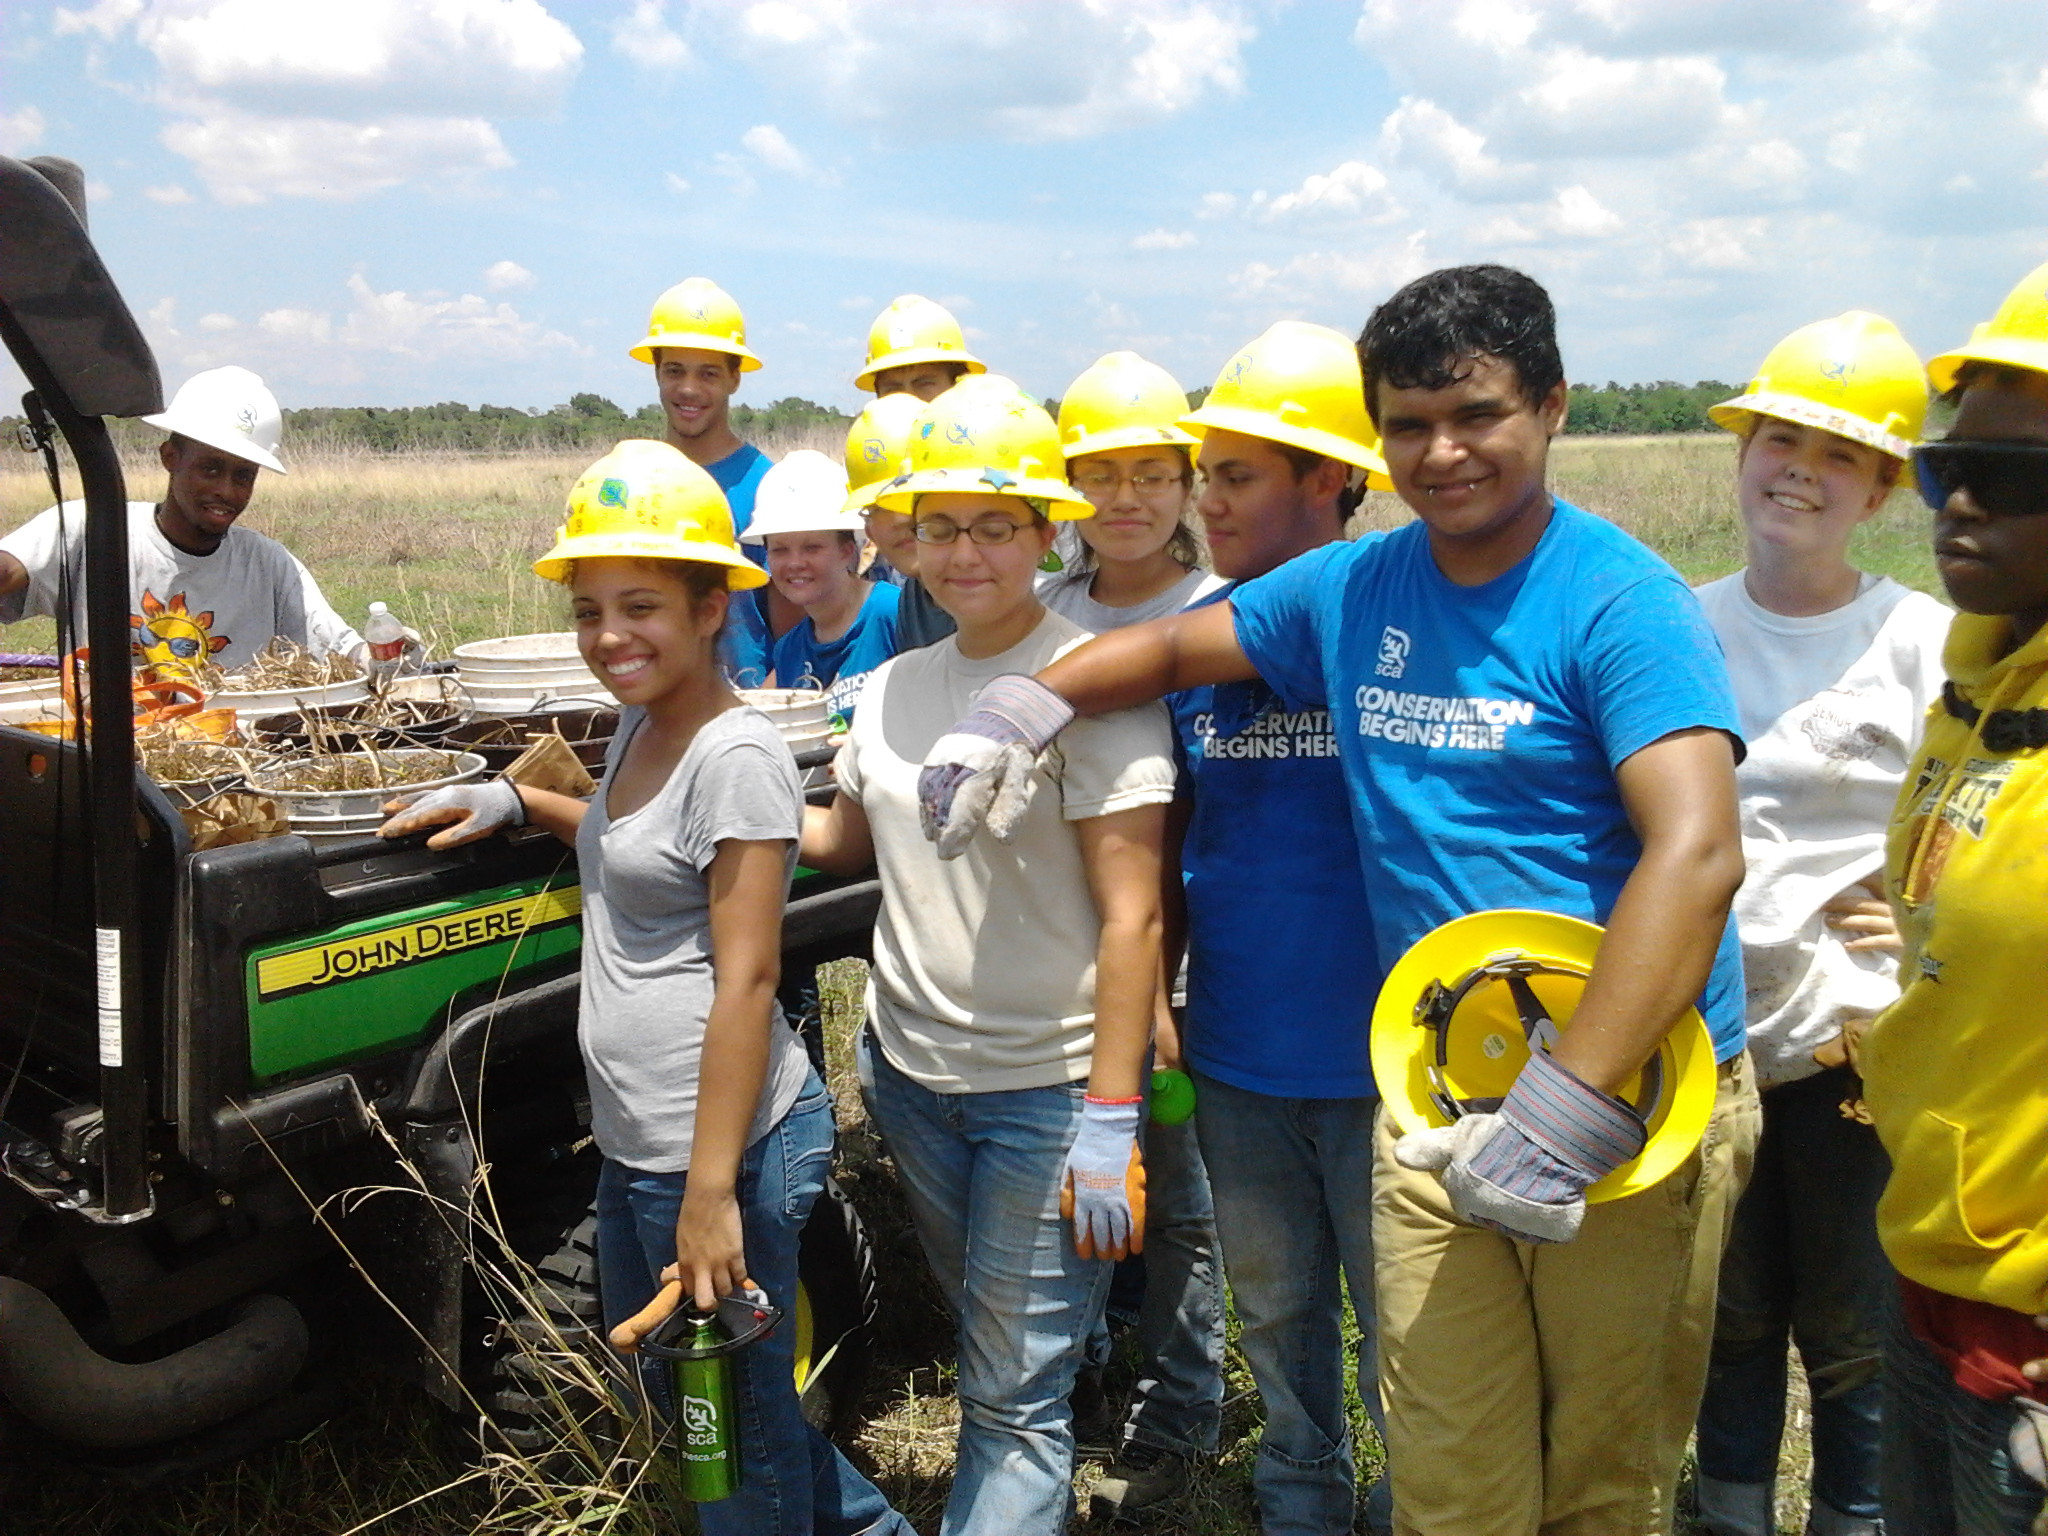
(2005, 479)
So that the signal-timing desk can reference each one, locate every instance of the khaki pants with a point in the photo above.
(1551, 1388)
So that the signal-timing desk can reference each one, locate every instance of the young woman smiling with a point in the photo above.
(1011, 999)
(1833, 671)
(1139, 559)
(849, 625)
(715, 1130)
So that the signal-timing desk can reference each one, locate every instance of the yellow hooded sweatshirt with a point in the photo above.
(1956, 1072)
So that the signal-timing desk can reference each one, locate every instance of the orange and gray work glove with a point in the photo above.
(475, 810)
(980, 771)
(1526, 1170)
(1104, 1193)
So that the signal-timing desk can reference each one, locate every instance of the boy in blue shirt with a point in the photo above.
(697, 341)
(1532, 712)
(1279, 997)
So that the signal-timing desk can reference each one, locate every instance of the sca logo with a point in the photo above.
(700, 1416)
(1394, 644)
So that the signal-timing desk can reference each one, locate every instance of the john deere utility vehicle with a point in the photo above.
(201, 1052)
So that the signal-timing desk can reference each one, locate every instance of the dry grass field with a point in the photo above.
(447, 542)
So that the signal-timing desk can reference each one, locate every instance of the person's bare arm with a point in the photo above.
(13, 575)
(747, 888)
(837, 839)
(1666, 926)
(1143, 662)
(1121, 854)
(556, 813)
(1173, 898)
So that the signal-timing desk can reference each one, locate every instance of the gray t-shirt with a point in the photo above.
(647, 975)
(1066, 593)
(184, 609)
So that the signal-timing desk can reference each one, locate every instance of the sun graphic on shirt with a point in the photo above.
(173, 641)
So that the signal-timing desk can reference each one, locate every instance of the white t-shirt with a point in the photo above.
(1066, 593)
(1831, 706)
(184, 609)
(984, 971)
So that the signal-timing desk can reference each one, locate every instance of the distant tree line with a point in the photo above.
(591, 421)
(1631, 409)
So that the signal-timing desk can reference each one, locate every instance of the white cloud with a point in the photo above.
(1164, 240)
(1374, 273)
(506, 276)
(20, 130)
(218, 322)
(1216, 205)
(245, 159)
(1718, 244)
(645, 37)
(1055, 69)
(770, 145)
(1421, 134)
(338, 98)
(1578, 215)
(674, 183)
(1352, 188)
(170, 193)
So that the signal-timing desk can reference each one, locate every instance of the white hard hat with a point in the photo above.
(229, 409)
(803, 492)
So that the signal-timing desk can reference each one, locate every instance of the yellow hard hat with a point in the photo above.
(877, 445)
(697, 313)
(1122, 401)
(2015, 337)
(648, 501)
(914, 330)
(1458, 1014)
(1298, 384)
(985, 436)
(1854, 376)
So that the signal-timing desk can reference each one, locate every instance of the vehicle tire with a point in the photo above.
(541, 1406)
(836, 1301)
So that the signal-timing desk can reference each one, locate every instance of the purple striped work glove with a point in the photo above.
(1525, 1171)
(980, 771)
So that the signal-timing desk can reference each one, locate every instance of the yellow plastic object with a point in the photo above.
(2016, 337)
(877, 447)
(1298, 384)
(985, 436)
(697, 313)
(1122, 401)
(1483, 1043)
(647, 501)
(1853, 375)
(914, 330)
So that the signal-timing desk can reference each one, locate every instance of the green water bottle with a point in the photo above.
(707, 1432)
(1173, 1096)
(699, 1347)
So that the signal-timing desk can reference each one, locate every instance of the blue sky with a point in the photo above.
(400, 201)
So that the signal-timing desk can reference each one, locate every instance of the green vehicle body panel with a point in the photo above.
(324, 998)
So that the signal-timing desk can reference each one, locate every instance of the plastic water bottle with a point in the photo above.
(707, 1434)
(384, 634)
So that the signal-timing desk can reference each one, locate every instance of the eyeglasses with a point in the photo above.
(1100, 483)
(2005, 479)
(987, 530)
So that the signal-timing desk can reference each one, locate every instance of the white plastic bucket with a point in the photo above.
(492, 702)
(523, 666)
(794, 711)
(249, 707)
(327, 804)
(49, 686)
(15, 711)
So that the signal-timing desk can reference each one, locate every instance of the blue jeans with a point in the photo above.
(1945, 1469)
(1178, 1403)
(1803, 1259)
(1292, 1181)
(982, 1174)
(793, 1482)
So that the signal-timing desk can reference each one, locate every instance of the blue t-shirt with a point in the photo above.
(1481, 726)
(841, 666)
(1282, 972)
(745, 645)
